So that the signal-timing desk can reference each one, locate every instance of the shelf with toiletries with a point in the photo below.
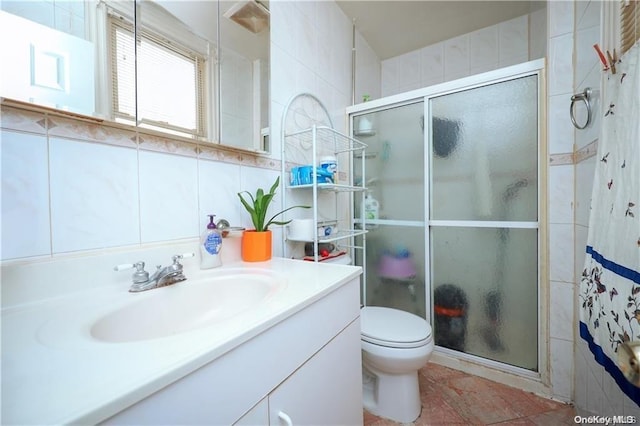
(329, 187)
(318, 170)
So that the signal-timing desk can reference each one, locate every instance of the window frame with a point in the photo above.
(180, 42)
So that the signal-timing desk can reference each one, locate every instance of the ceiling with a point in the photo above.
(395, 27)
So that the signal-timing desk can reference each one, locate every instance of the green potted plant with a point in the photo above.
(256, 243)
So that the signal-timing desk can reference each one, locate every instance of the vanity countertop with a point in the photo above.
(55, 372)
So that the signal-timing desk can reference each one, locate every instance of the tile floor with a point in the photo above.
(451, 397)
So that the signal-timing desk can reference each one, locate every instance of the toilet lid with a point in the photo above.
(393, 327)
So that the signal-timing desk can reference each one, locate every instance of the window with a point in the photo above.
(629, 24)
(170, 85)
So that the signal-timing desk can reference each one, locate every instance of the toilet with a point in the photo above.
(395, 345)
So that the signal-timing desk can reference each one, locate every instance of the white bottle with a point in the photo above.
(210, 245)
(371, 207)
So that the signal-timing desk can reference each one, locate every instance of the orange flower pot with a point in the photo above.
(256, 246)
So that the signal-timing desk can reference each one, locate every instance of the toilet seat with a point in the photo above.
(393, 328)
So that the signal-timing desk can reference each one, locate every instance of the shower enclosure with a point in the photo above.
(455, 172)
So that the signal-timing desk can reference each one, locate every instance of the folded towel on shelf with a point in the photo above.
(332, 255)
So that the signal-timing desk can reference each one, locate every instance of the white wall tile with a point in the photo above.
(340, 44)
(561, 306)
(306, 41)
(168, 197)
(581, 235)
(409, 69)
(456, 56)
(283, 74)
(483, 68)
(25, 195)
(94, 195)
(561, 194)
(631, 408)
(586, 57)
(559, 127)
(592, 132)
(560, 17)
(514, 41)
(218, 187)
(585, 173)
(595, 400)
(390, 77)
(538, 34)
(282, 15)
(432, 64)
(560, 65)
(561, 252)
(483, 48)
(614, 405)
(587, 14)
(306, 79)
(324, 16)
(561, 369)
(368, 78)
(580, 380)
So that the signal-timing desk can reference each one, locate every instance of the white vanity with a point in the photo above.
(274, 342)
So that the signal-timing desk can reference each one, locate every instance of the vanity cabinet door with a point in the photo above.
(327, 389)
(258, 415)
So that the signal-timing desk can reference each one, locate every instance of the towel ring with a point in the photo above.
(585, 97)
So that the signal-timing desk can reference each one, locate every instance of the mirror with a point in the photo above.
(79, 56)
(58, 54)
(244, 74)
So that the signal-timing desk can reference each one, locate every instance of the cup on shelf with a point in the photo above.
(329, 163)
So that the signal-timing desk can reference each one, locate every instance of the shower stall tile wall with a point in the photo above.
(487, 49)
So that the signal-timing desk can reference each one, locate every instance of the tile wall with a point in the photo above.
(511, 42)
(560, 205)
(595, 390)
(311, 46)
(71, 186)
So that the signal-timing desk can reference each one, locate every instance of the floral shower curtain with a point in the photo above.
(610, 285)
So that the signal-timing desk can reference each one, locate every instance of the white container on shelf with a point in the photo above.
(301, 230)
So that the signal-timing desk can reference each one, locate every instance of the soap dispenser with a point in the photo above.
(210, 244)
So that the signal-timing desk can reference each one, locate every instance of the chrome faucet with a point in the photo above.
(225, 227)
(161, 277)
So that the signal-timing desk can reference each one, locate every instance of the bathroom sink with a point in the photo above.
(186, 306)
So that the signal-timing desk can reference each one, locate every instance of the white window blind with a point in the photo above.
(170, 84)
(629, 24)
(123, 70)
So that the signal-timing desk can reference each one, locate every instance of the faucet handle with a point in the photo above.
(225, 227)
(139, 276)
(176, 258)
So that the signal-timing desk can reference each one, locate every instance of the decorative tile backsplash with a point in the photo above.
(70, 185)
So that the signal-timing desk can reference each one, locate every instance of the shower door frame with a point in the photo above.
(533, 381)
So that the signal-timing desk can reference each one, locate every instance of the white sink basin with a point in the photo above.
(186, 306)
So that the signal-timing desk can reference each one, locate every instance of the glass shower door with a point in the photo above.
(395, 251)
(483, 220)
